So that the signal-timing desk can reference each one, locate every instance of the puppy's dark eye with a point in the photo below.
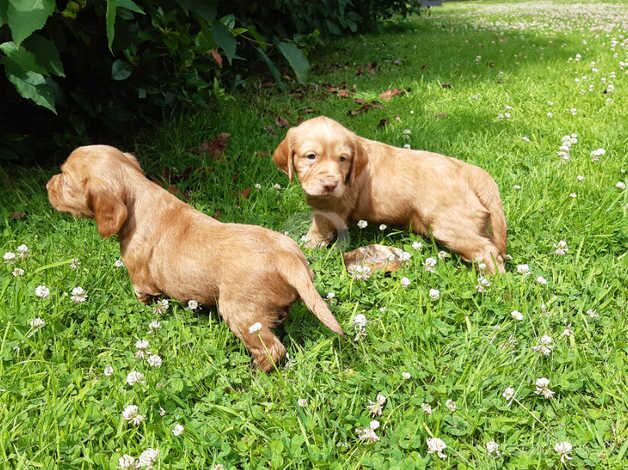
(343, 158)
(311, 156)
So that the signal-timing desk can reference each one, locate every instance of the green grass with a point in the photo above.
(57, 408)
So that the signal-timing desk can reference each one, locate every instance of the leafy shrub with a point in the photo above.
(109, 65)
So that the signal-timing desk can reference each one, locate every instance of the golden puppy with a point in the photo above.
(346, 177)
(251, 273)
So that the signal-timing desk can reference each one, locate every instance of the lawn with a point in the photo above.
(503, 86)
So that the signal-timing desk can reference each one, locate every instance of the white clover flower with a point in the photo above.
(154, 360)
(131, 415)
(359, 321)
(523, 269)
(542, 388)
(383, 227)
(509, 393)
(516, 315)
(541, 280)
(492, 448)
(567, 332)
(218, 466)
(9, 257)
(406, 375)
(405, 282)
(573, 111)
(255, 327)
(620, 185)
(443, 254)
(427, 408)
(545, 346)
(430, 264)
(375, 407)
(126, 461)
(478, 59)
(147, 458)
(192, 305)
(417, 245)
(597, 153)
(360, 272)
(154, 325)
(368, 434)
(78, 295)
(580, 178)
(525, 138)
(362, 224)
(18, 272)
(437, 446)
(578, 57)
(563, 448)
(142, 344)
(451, 405)
(108, 371)
(37, 322)
(592, 313)
(434, 294)
(561, 248)
(302, 402)
(610, 88)
(257, 186)
(178, 429)
(162, 412)
(330, 295)
(134, 377)
(161, 306)
(22, 251)
(405, 256)
(277, 186)
(516, 187)
(118, 263)
(482, 284)
(407, 132)
(573, 195)
(42, 292)
(550, 114)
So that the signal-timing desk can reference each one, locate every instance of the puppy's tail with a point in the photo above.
(487, 192)
(299, 277)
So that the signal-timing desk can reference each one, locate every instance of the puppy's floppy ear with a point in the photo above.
(109, 211)
(282, 156)
(360, 159)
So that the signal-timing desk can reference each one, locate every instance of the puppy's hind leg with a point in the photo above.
(253, 327)
(465, 240)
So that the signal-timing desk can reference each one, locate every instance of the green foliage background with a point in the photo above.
(93, 68)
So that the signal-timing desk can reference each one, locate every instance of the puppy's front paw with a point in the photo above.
(315, 241)
(142, 296)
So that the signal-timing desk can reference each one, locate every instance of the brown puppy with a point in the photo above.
(251, 273)
(346, 177)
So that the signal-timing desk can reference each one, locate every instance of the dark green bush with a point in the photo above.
(83, 71)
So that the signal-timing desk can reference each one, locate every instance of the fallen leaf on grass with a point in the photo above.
(281, 122)
(371, 68)
(388, 94)
(441, 115)
(383, 123)
(245, 193)
(214, 148)
(364, 108)
(18, 215)
(217, 57)
(374, 257)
